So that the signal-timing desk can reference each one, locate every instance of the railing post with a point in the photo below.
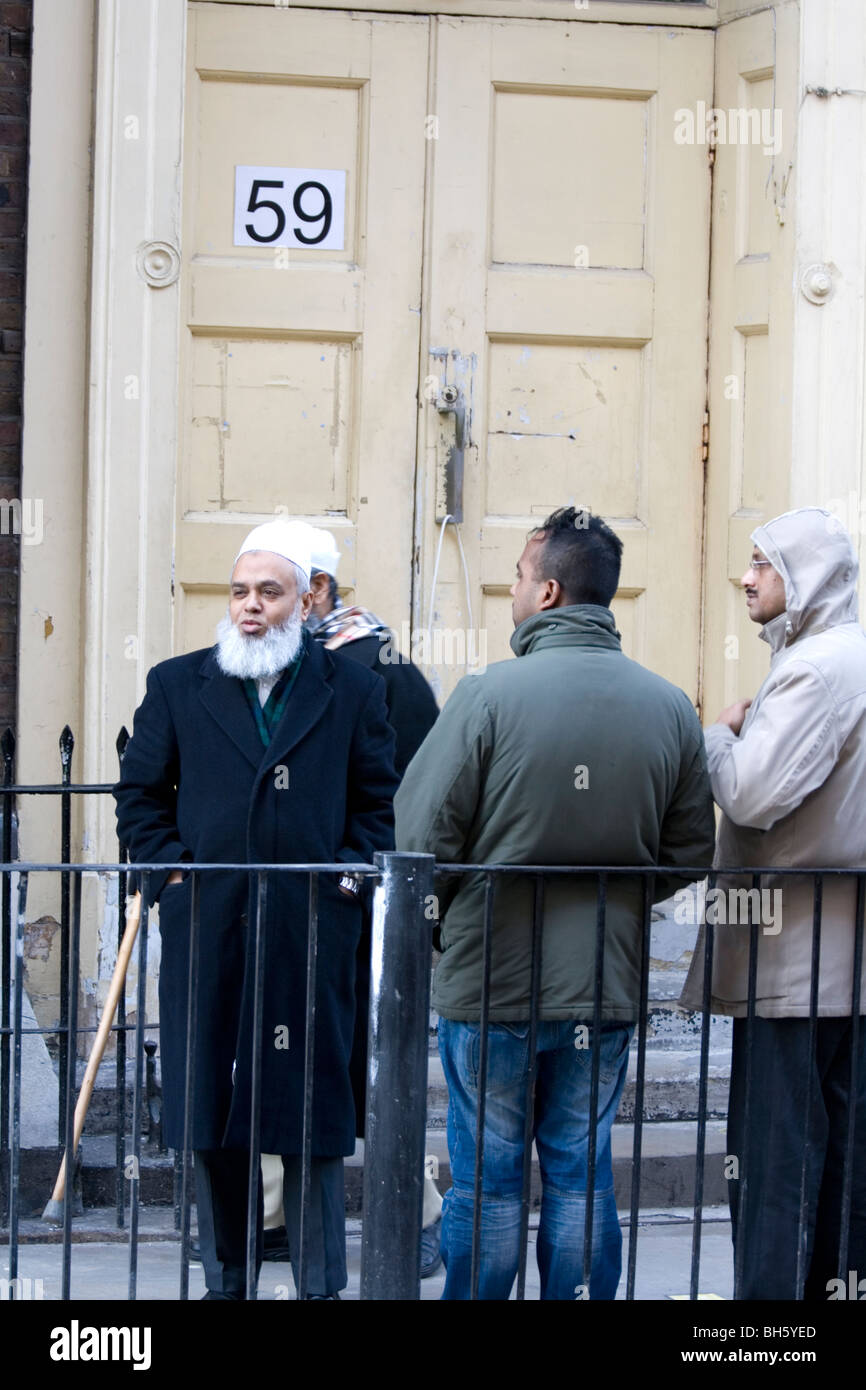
(67, 744)
(396, 1121)
(120, 1055)
(7, 746)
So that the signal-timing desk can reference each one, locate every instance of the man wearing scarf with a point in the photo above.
(359, 635)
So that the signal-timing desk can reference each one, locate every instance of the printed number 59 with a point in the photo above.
(323, 215)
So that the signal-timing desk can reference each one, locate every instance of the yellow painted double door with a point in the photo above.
(511, 318)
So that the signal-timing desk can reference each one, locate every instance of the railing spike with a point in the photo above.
(7, 747)
(67, 743)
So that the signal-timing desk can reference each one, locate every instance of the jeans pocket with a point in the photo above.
(516, 1030)
(614, 1052)
(613, 1045)
(507, 1057)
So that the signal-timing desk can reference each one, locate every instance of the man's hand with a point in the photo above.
(175, 876)
(734, 715)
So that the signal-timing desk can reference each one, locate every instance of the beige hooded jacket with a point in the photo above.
(792, 786)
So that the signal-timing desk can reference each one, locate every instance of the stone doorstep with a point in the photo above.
(667, 1173)
(667, 1163)
(670, 1086)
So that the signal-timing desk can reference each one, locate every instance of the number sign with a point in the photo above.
(290, 207)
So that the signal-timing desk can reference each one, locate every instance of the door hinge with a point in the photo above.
(705, 437)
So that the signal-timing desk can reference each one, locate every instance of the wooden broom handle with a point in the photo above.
(133, 918)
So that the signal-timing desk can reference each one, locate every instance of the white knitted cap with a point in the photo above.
(324, 554)
(291, 539)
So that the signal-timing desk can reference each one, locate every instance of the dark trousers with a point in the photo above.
(781, 1133)
(221, 1177)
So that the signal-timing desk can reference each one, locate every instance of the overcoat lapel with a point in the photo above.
(308, 701)
(225, 699)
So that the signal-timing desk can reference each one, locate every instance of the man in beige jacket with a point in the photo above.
(788, 770)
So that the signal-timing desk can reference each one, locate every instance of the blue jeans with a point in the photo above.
(561, 1132)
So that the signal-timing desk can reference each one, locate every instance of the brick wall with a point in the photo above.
(15, 30)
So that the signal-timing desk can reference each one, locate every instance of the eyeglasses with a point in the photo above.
(759, 564)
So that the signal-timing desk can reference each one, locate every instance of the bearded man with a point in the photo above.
(262, 749)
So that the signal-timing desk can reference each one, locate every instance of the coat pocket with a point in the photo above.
(174, 901)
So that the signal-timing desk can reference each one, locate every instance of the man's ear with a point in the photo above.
(320, 584)
(306, 605)
(551, 595)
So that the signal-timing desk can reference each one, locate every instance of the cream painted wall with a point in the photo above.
(798, 438)
(828, 456)
(101, 348)
(754, 240)
(51, 628)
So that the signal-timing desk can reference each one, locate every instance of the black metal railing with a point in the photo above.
(398, 1043)
(397, 1076)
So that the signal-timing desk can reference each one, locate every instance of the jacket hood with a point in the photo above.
(815, 557)
(575, 625)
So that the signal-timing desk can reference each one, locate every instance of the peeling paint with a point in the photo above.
(39, 936)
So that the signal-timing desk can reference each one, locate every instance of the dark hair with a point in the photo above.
(333, 588)
(581, 553)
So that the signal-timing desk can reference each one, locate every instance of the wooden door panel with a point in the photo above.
(568, 304)
(300, 366)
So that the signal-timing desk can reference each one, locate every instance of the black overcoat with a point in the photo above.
(197, 784)
(412, 712)
(411, 704)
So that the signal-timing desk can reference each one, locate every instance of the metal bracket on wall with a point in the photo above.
(450, 402)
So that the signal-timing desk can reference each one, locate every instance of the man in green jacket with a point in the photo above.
(572, 755)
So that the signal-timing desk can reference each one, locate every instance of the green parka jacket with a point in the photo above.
(574, 754)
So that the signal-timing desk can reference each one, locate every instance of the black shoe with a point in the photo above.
(232, 1297)
(276, 1245)
(323, 1298)
(431, 1253)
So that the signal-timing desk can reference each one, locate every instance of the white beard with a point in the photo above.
(253, 658)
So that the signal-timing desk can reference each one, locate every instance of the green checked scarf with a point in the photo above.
(268, 716)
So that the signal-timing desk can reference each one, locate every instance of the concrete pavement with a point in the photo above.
(100, 1266)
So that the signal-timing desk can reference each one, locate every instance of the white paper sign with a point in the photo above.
(290, 207)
